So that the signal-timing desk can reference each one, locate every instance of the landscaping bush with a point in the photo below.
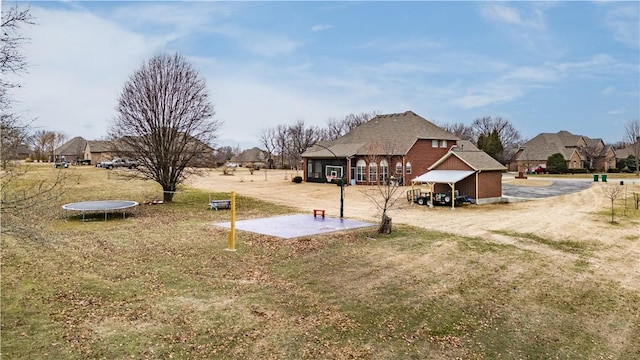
(297, 179)
(556, 164)
(613, 171)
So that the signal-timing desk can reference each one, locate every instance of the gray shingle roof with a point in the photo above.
(98, 146)
(251, 155)
(476, 159)
(546, 144)
(397, 132)
(72, 147)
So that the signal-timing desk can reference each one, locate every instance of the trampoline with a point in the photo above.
(99, 206)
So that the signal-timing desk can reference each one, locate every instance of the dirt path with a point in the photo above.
(571, 217)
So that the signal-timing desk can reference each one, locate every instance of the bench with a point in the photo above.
(317, 212)
(219, 204)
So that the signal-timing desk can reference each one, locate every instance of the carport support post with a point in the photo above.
(453, 195)
(432, 187)
(231, 243)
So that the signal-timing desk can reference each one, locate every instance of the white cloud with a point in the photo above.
(608, 91)
(501, 13)
(624, 22)
(322, 27)
(261, 43)
(533, 74)
(75, 75)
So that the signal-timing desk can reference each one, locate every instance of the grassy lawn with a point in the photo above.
(160, 285)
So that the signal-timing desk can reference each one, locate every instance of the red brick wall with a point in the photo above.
(422, 155)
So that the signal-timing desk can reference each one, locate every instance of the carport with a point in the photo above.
(450, 177)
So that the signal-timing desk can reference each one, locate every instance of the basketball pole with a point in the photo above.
(231, 243)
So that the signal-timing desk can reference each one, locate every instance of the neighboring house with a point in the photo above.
(99, 150)
(629, 150)
(580, 152)
(254, 157)
(466, 170)
(387, 147)
(72, 150)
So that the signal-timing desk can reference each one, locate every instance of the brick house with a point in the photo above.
(72, 150)
(99, 150)
(391, 147)
(580, 152)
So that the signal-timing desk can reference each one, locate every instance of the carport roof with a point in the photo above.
(443, 176)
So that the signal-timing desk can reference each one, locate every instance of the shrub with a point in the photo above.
(578, 171)
(613, 171)
(297, 179)
(556, 164)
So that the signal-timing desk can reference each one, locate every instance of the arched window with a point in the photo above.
(408, 168)
(399, 168)
(373, 171)
(384, 171)
(361, 170)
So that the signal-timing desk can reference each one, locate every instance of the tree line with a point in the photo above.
(285, 144)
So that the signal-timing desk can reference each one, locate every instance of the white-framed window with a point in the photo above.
(443, 143)
(434, 143)
(384, 171)
(373, 171)
(398, 167)
(408, 167)
(361, 171)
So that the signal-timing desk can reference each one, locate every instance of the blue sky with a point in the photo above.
(545, 66)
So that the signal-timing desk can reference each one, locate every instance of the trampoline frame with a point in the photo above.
(100, 205)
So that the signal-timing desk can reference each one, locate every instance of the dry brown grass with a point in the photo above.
(160, 285)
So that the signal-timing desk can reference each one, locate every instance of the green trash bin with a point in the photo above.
(604, 177)
(595, 177)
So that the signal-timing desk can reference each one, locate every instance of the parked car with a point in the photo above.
(119, 162)
(539, 170)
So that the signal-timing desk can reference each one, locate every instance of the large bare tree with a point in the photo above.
(165, 120)
(632, 137)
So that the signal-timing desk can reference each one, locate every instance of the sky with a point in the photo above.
(544, 66)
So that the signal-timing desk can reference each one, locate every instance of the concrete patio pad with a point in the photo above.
(294, 226)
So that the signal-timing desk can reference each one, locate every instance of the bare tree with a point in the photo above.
(612, 192)
(267, 138)
(13, 130)
(632, 136)
(384, 192)
(282, 140)
(460, 130)
(338, 127)
(25, 200)
(301, 137)
(165, 120)
(509, 136)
